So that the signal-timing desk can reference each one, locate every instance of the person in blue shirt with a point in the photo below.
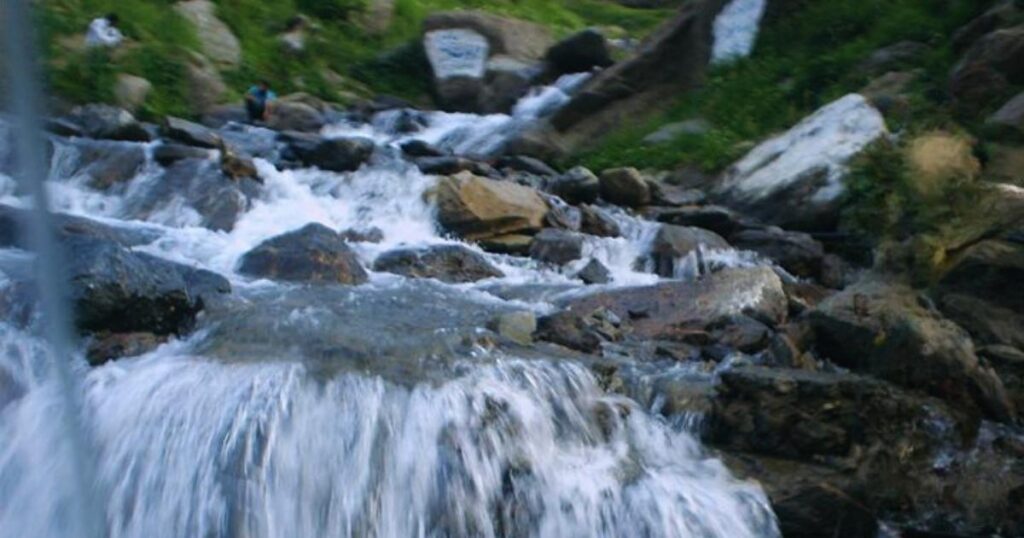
(259, 101)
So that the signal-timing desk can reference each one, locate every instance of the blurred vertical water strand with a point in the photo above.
(47, 478)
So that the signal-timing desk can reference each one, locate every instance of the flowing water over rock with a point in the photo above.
(384, 409)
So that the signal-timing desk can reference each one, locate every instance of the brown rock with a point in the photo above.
(476, 208)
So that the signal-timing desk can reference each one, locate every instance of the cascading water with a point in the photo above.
(380, 410)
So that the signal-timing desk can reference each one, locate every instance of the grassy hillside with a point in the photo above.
(801, 62)
(341, 55)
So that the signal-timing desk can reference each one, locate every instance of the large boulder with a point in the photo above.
(673, 59)
(14, 229)
(580, 52)
(988, 68)
(130, 91)
(333, 154)
(721, 220)
(108, 122)
(191, 134)
(200, 185)
(476, 208)
(598, 222)
(577, 186)
(796, 252)
(114, 289)
(672, 310)
(979, 292)
(448, 263)
(558, 247)
(458, 58)
(314, 254)
(673, 243)
(216, 39)
(795, 180)
(625, 187)
(107, 164)
(296, 116)
(889, 331)
(507, 36)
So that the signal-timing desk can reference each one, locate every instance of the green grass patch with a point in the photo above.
(802, 61)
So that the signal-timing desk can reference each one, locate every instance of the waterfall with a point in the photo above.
(372, 411)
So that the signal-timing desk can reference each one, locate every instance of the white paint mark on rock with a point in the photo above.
(457, 53)
(736, 29)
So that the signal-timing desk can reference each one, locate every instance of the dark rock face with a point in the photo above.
(594, 273)
(888, 331)
(596, 221)
(529, 165)
(721, 220)
(580, 52)
(1008, 121)
(675, 242)
(795, 252)
(107, 122)
(332, 154)
(191, 134)
(674, 58)
(314, 254)
(625, 187)
(116, 290)
(671, 310)
(580, 331)
(988, 66)
(419, 148)
(107, 347)
(167, 154)
(14, 227)
(557, 247)
(108, 163)
(448, 263)
(201, 184)
(577, 186)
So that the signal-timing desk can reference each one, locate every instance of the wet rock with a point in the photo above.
(557, 247)
(561, 215)
(598, 222)
(721, 220)
(796, 252)
(516, 326)
(217, 200)
(664, 194)
(506, 81)
(625, 187)
(580, 53)
(114, 289)
(580, 331)
(419, 148)
(367, 235)
(108, 164)
(453, 264)
(107, 122)
(103, 348)
(1008, 122)
(577, 186)
(167, 154)
(671, 310)
(296, 116)
(314, 254)
(191, 134)
(530, 165)
(594, 273)
(236, 165)
(14, 226)
(889, 331)
(332, 154)
(675, 242)
(742, 333)
(795, 180)
(513, 244)
(476, 208)
(450, 165)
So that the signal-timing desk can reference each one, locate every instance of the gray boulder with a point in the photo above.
(675, 242)
(453, 264)
(314, 254)
(625, 187)
(191, 134)
(557, 247)
(332, 154)
(108, 122)
(580, 53)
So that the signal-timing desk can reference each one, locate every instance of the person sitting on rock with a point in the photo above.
(103, 32)
(259, 101)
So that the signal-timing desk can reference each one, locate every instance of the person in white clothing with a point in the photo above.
(103, 32)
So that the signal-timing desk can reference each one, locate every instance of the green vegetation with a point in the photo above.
(802, 62)
(343, 57)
